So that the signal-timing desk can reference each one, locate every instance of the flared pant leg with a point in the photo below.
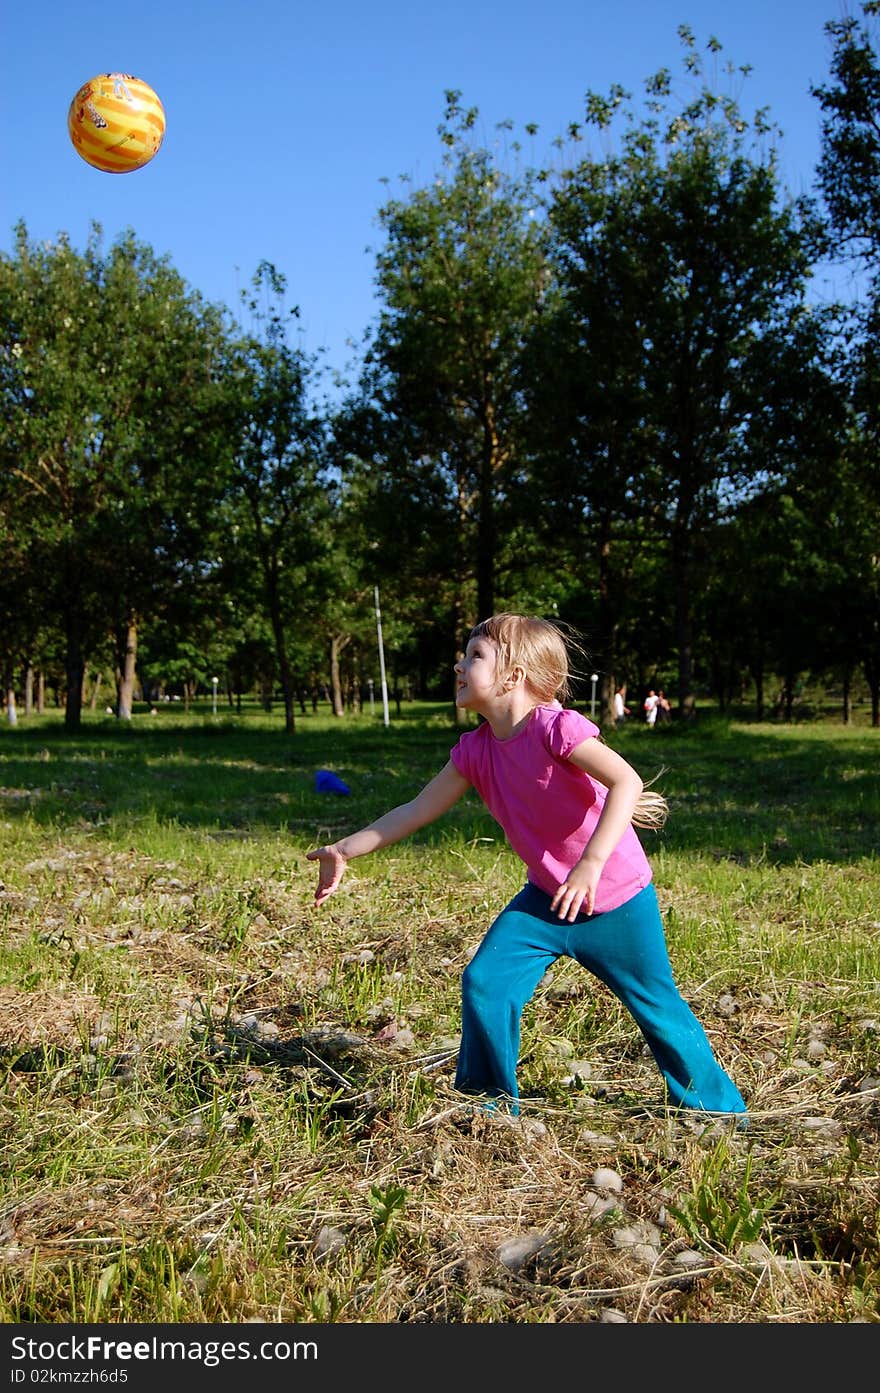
(626, 949)
(500, 978)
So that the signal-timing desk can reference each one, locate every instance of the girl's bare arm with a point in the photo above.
(436, 798)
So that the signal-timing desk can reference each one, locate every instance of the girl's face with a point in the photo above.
(477, 675)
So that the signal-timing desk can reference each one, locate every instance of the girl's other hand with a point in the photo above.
(577, 894)
(330, 870)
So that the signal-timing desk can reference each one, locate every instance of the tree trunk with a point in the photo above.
(273, 598)
(287, 692)
(355, 683)
(126, 661)
(11, 712)
(75, 669)
(846, 696)
(683, 627)
(337, 643)
(789, 694)
(41, 692)
(29, 689)
(485, 556)
(285, 675)
(718, 682)
(606, 658)
(758, 675)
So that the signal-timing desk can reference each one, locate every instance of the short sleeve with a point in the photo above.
(567, 730)
(459, 757)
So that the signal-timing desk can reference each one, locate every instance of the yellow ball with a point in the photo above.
(116, 122)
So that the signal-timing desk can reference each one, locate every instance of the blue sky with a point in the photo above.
(283, 118)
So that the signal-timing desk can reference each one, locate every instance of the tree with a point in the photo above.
(691, 354)
(279, 471)
(110, 436)
(849, 166)
(460, 278)
(849, 177)
(21, 611)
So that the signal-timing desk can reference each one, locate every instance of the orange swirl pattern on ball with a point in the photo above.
(116, 122)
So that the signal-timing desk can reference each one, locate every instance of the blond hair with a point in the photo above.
(537, 646)
(542, 648)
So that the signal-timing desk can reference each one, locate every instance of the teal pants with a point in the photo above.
(626, 949)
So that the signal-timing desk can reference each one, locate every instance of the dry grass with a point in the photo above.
(220, 1105)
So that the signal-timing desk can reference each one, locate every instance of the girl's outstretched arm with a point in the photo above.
(435, 798)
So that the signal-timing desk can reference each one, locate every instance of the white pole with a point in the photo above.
(594, 678)
(381, 657)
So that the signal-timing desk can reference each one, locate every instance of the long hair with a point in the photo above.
(544, 649)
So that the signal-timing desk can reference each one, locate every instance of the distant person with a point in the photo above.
(664, 710)
(651, 707)
(569, 805)
(619, 706)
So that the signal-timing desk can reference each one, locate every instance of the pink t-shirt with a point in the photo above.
(548, 807)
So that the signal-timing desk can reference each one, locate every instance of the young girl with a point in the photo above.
(567, 803)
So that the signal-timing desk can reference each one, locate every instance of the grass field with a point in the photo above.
(219, 1104)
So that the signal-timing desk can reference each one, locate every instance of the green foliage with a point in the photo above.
(849, 176)
(111, 438)
(849, 168)
(461, 279)
(280, 507)
(593, 391)
(682, 367)
(388, 1204)
(196, 1081)
(710, 1216)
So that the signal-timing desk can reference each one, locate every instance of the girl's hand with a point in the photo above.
(577, 894)
(332, 864)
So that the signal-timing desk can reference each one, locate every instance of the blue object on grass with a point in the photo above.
(328, 782)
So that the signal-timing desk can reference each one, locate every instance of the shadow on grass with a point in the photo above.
(308, 1064)
(797, 793)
